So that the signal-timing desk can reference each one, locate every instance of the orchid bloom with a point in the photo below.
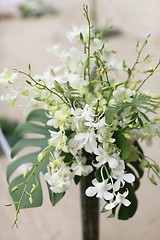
(100, 189)
(120, 198)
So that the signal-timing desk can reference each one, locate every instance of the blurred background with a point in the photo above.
(27, 28)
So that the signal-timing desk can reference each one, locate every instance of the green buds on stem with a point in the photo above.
(14, 189)
(25, 174)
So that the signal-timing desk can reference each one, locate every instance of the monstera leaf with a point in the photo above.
(26, 191)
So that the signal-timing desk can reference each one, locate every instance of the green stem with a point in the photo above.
(85, 50)
(148, 76)
(136, 62)
(41, 85)
(85, 8)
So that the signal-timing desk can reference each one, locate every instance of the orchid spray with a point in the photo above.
(91, 126)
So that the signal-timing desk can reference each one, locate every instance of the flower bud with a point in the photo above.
(31, 199)
(33, 188)
(153, 180)
(25, 174)
(155, 165)
(81, 36)
(150, 70)
(126, 135)
(137, 44)
(144, 164)
(124, 64)
(8, 204)
(40, 157)
(14, 188)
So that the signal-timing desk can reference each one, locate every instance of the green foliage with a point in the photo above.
(122, 144)
(26, 191)
(138, 102)
(8, 127)
(127, 212)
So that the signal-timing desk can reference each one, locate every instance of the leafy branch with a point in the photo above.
(150, 166)
(152, 71)
(25, 189)
(42, 86)
(131, 70)
(139, 101)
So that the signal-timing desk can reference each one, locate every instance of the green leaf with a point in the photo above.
(156, 166)
(112, 215)
(127, 212)
(122, 144)
(37, 195)
(153, 180)
(144, 164)
(77, 179)
(98, 174)
(55, 197)
(136, 183)
(145, 116)
(139, 101)
(104, 210)
(35, 124)
(140, 122)
(136, 165)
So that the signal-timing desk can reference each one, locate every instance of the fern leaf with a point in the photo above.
(139, 101)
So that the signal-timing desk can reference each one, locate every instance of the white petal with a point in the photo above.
(129, 177)
(108, 195)
(109, 206)
(126, 202)
(116, 185)
(113, 163)
(91, 191)
(97, 165)
(125, 193)
(88, 148)
(98, 42)
(72, 143)
(95, 182)
(49, 123)
(80, 136)
(87, 170)
(48, 177)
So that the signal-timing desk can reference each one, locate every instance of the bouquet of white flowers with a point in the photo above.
(91, 126)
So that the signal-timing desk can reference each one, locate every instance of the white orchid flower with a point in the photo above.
(60, 179)
(75, 34)
(103, 158)
(120, 198)
(86, 140)
(121, 177)
(6, 78)
(100, 189)
(79, 168)
(58, 140)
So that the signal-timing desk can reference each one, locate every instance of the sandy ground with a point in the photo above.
(25, 41)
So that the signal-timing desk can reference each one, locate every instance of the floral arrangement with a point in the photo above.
(90, 123)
